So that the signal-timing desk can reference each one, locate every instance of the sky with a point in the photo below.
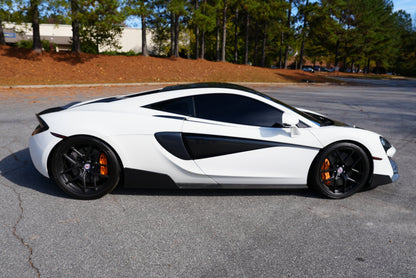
(407, 5)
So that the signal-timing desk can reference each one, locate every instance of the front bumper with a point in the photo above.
(384, 179)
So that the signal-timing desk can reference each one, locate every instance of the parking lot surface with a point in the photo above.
(211, 233)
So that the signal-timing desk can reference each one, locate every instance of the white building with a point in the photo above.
(61, 35)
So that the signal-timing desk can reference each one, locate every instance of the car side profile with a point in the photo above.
(204, 135)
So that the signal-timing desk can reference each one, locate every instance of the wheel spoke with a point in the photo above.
(72, 180)
(351, 179)
(339, 156)
(69, 169)
(355, 162)
(89, 150)
(345, 178)
(77, 152)
(72, 161)
(94, 178)
(84, 181)
(99, 175)
(349, 156)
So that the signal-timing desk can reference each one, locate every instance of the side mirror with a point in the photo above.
(290, 120)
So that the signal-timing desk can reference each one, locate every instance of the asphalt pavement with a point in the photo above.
(211, 233)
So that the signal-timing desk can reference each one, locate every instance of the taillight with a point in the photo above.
(41, 127)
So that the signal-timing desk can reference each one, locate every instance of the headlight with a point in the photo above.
(41, 127)
(386, 144)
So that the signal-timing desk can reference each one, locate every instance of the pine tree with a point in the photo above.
(143, 9)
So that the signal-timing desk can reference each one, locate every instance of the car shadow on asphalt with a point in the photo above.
(18, 169)
(302, 192)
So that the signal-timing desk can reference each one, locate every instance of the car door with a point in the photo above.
(238, 140)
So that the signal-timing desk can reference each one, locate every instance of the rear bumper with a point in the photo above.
(385, 179)
(40, 146)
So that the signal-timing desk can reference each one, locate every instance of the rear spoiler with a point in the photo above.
(57, 109)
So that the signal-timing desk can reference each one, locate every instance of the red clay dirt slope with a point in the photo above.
(23, 67)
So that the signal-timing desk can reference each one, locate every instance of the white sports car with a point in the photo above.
(204, 135)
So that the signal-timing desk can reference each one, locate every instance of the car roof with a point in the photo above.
(209, 85)
(189, 86)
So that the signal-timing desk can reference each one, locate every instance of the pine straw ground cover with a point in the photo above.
(23, 67)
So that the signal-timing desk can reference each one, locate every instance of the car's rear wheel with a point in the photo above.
(340, 170)
(85, 167)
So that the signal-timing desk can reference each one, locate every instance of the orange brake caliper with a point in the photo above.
(326, 175)
(103, 164)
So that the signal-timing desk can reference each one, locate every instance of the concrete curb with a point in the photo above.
(156, 83)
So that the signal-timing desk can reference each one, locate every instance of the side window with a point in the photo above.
(182, 106)
(237, 109)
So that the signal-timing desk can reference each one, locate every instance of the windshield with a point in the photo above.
(317, 119)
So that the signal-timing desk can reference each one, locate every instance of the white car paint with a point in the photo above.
(130, 128)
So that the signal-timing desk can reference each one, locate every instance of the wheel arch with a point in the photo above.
(51, 153)
(364, 148)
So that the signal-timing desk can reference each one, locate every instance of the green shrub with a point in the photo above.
(28, 44)
(46, 45)
(116, 53)
(89, 47)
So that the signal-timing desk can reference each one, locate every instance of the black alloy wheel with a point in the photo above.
(85, 167)
(340, 170)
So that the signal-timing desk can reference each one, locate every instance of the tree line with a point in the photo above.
(354, 35)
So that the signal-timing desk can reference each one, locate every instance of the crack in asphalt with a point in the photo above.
(14, 231)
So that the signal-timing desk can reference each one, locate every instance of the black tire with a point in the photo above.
(340, 170)
(85, 167)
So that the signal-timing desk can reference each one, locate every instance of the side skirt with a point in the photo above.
(134, 178)
(240, 186)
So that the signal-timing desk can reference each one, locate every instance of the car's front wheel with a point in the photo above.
(340, 170)
(85, 167)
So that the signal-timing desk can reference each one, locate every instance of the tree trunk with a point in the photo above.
(218, 39)
(246, 42)
(286, 53)
(76, 41)
(196, 42)
(224, 31)
(203, 36)
(144, 40)
(256, 31)
(176, 47)
(289, 14)
(281, 50)
(172, 33)
(34, 13)
(196, 34)
(302, 48)
(345, 62)
(2, 38)
(236, 37)
(336, 53)
(263, 49)
(203, 45)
